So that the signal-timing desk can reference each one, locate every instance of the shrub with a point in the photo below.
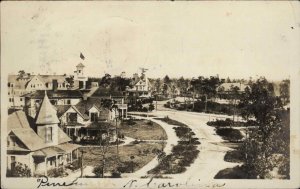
(235, 156)
(56, 172)
(127, 166)
(237, 172)
(20, 170)
(229, 134)
(115, 174)
(150, 123)
(98, 171)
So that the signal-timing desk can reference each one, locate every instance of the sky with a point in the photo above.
(230, 39)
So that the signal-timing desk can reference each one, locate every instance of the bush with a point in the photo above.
(20, 170)
(235, 156)
(98, 171)
(237, 172)
(127, 167)
(229, 134)
(115, 174)
(56, 172)
(223, 123)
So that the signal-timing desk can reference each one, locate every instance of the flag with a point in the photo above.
(81, 56)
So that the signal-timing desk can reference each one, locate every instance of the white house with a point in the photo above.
(42, 149)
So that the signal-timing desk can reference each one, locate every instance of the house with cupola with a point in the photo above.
(38, 145)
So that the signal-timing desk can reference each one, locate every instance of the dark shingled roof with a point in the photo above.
(61, 109)
(106, 92)
(55, 94)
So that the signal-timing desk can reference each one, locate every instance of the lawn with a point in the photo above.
(143, 130)
(142, 153)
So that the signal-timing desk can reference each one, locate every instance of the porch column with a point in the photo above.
(46, 166)
(77, 153)
(122, 116)
(56, 161)
(71, 158)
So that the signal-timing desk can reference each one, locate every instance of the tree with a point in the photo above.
(235, 93)
(262, 144)
(104, 147)
(284, 89)
(157, 85)
(106, 80)
(151, 107)
(70, 81)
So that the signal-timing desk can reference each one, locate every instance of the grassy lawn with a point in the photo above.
(143, 153)
(171, 121)
(183, 154)
(143, 130)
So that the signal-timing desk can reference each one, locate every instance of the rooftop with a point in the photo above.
(55, 94)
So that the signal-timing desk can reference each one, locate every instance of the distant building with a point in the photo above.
(88, 118)
(58, 97)
(41, 147)
(80, 79)
(141, 87)
(225, 89)
(21, 85)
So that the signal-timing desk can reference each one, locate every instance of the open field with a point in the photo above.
(143, 130)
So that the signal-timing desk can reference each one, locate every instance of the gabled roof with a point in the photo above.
(61, 109)
(50, 78)
(106, 92)
(47, 113)
(30, 139)
(39, 94)
(17, 120)
(62, 136)
(19, 82)
(85, 105)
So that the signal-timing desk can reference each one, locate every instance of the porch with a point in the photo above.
(54, 157)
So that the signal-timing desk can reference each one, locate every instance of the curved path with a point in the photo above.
(211, 157)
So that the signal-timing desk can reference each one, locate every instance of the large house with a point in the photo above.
(57, 98)
(141, 87)
(88, 118)
(41, 146)
(24, 83)
(19, 85)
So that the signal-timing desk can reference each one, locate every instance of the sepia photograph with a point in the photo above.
(150, 94)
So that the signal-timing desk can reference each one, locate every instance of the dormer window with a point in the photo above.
(72, 117)
(94, 116)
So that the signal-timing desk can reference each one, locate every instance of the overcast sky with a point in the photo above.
(235, 39)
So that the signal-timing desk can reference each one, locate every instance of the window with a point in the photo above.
(13, 162)
(79, 71)
(68, 101)
(49, 134)
(21, 99)
(94, 116)
(72, 117)
(8, 93)
(53, 102)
